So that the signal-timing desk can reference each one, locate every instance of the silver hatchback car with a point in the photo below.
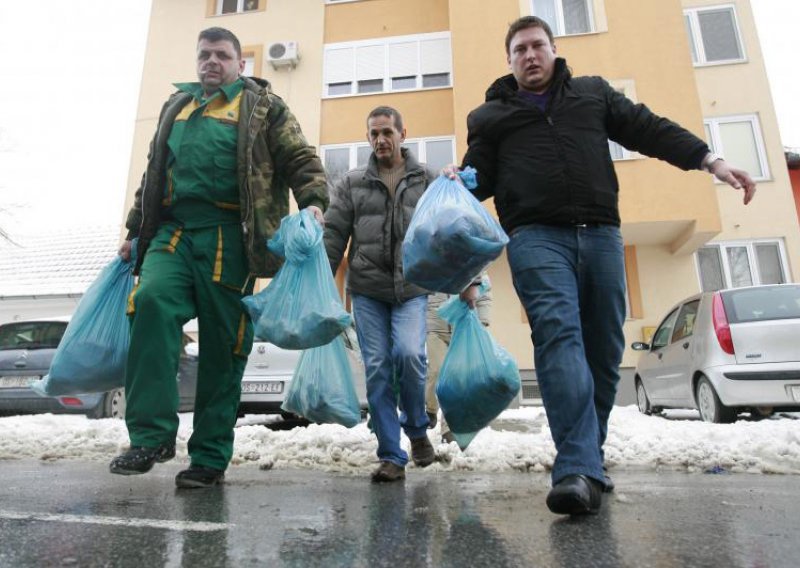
(724, 353)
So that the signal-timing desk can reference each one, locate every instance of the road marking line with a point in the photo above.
(117, 521)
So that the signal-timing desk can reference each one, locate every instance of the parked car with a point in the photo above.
(724, 353)
(269, 371)
(26, 351)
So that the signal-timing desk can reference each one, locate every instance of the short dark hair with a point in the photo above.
(221, 34)
(524, 23)
(390, 112)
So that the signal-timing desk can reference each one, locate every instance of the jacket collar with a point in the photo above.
(412, 165)
(506, 87)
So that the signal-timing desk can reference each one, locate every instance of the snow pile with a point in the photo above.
(518, 441)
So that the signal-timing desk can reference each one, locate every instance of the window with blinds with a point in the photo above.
(400, 63)
(714, 36)
(738, 138)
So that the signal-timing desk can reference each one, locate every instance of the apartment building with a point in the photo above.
(697, 62)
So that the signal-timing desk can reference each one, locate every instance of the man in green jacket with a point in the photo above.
(225, 152)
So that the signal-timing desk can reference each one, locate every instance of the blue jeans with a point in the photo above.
(392, 339)
(571, 282)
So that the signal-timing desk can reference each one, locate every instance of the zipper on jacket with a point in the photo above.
(248, 200)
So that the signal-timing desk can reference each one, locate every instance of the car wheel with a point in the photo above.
(710, 407)
(641, 399)
(114, 404)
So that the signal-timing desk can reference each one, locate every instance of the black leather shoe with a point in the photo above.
(198, 476)
(575, 495)
(609, 483)
(432, 420)
(138, 459)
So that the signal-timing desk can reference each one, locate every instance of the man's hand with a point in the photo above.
(125, 251)
(736, 178)
(470, 295)
(317, 213)
(451, 171)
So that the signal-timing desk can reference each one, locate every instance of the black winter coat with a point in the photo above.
(554, 167)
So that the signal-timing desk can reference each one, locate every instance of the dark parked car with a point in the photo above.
(26, 351)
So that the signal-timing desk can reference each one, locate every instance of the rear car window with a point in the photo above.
(762, 304)
(32, 335)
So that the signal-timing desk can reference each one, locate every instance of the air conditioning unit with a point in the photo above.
(283, 54)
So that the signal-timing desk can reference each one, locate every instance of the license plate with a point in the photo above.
(795, 392)
(17, 382)
(265, 387)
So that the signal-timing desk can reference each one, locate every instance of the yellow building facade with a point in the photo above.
(697, 62)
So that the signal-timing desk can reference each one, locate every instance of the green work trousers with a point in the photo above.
(191, 273)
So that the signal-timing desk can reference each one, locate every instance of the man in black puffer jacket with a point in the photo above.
(540, 145)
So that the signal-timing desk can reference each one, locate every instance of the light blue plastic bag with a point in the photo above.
(92, 354)
(478, 378)
(301, 308)
(322, 388)
(451, 237)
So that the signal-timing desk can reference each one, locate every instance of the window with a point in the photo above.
(741, 263)
(684, 325)
(714, 35)
(252, 57)
(339, 158)
(236, 6)
(664, 331)
(739, 140)
(399, 63)
(566, 17)
(618, 151)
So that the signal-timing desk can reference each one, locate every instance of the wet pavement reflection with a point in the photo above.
(75, 514)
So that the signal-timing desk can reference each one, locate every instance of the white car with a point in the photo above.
(269, 372)
(723, 353)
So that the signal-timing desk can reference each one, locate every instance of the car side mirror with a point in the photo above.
(640, 346)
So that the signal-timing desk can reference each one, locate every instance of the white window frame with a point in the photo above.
(697, 35)
(717, 146)
(750, 245)
(239, 8)
(421, 155)
(560, 18)
(628, 88)
(387, 78)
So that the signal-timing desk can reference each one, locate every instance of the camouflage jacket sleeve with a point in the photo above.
(338, 222)
(134, 220)
(294, 158)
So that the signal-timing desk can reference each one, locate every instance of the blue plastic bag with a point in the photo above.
(451, 238)
(301, 308)
(322, 388)
(478, 378)
(94, 349)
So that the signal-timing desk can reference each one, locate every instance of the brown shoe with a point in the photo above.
(387, 471)
(422, 451)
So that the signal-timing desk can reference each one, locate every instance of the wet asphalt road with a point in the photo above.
(76, 514)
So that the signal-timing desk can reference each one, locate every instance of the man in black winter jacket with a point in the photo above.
(540, 145)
